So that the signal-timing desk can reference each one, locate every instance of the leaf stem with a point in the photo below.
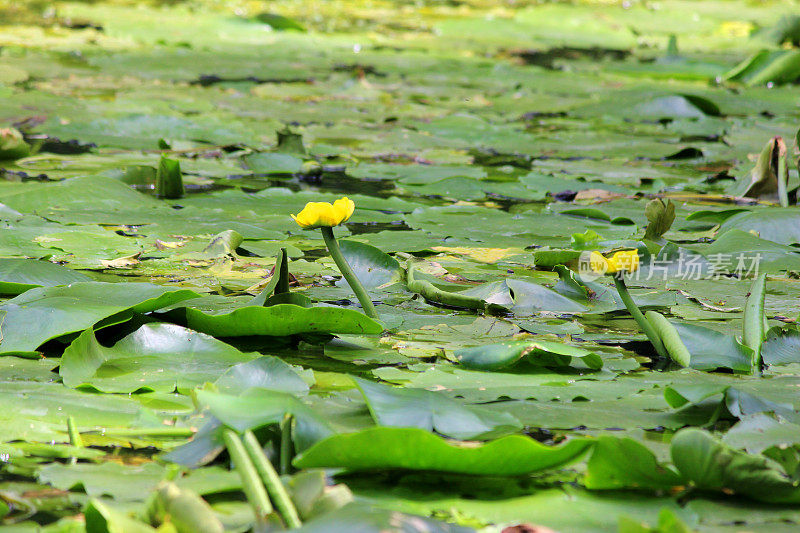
(251, 483)
(783, 177)
(272, 481)
(637, 315)
(74, 437)
(347, 272)
(175, 432)
(286, 444)
(755, 328)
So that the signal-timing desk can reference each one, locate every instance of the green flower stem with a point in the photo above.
(347, 272)
(74, 437)
(169, 432)
(637, 315)
(783, 177)
(251, 483)
(286, 445)
(272, 481)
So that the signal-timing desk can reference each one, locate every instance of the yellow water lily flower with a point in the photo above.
(598, 263)
(623, 261)
(324, 215)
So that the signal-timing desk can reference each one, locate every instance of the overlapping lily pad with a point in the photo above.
(486, 149)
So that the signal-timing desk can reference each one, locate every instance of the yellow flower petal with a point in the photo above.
(598, 263)
(624, 261)
(344, 207)
(322, 214)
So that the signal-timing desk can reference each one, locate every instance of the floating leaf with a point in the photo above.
(372, 267)
(535, 352)
(709, 464)
(19, 275)
(781, 346)
(767, 66)
(398, 407)
(102, 518)
(266, 372)
(184, 509)
(417, 449)
(158, 357)
(370, 519)
(45, 313)
(279, 22)
(280, 320)
(261, 407)
(621, 463)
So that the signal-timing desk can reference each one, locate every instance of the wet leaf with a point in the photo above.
(398, 407)
(416, 449)
(279, 320)
(45, 313)
(544, 353)
(19, 275)
(158, 357)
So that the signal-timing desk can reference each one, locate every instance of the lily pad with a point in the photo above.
(45, 313)
(19, 275)
(280, 320)
(157, 357)
(399, 407)
(417, 449)
(544, 353)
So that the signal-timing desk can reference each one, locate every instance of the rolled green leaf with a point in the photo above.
(185, 510)
(282, 271)
(169, 180)
(251, 483)
(427, 290)
(783, 178)
(660, 216)
(672, 342)
(74, 437)
(755, 321)
(271, 481)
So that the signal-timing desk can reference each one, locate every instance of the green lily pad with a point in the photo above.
(710, 464)
(370, 519)
(372, 267)
(157, 357)
(280, 320)
(399, 407)
(19, 275)
(258, 407)
(622, 463)
(544, 353)
(417, 449)
(45, 313)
